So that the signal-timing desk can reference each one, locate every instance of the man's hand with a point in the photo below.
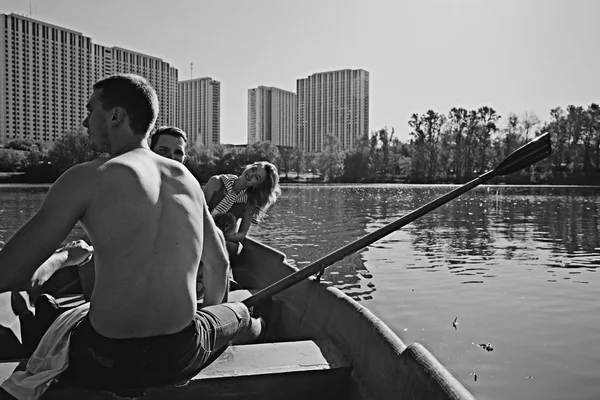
(74, 253)
(78, 252)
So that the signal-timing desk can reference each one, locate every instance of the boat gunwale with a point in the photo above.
(410, 361)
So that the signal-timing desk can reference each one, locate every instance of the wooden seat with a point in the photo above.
(6, 368)
(285, 370)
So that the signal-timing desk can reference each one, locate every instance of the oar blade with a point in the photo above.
(529, 154)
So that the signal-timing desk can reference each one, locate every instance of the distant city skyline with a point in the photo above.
(45, 70)
(46, 73)
(514, 56)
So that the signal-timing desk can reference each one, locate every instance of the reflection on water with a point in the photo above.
(514, 266)
(465, 236)
(471, 234)
(18, 203)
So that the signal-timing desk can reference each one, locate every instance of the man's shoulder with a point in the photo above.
(78, 182)
(136, 162)
(83, 171)
(147, 167)
(114, 169)
(91, 165)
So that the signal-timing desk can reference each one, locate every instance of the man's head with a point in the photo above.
(170, 142)
(120, 106)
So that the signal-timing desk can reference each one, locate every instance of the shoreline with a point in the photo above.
(40, 179)
(9, 184)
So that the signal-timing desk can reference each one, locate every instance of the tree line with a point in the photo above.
(443, 148)
(462, 144)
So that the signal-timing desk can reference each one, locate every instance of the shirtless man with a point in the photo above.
(169, 142)
(150, 227)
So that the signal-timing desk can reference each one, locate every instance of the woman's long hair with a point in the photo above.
(265, 194)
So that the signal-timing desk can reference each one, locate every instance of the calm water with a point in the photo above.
(517, 267)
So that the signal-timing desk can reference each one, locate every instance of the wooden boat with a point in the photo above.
(319, 344)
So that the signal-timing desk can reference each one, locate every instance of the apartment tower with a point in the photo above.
(199, 110)
(332, 103)
(272, 116)
(47, 73)
(157, 72)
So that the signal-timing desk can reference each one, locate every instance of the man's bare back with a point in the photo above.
(145, 219)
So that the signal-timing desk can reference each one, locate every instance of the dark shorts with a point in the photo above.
(127, 367)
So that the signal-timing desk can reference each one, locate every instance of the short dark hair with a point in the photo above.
(134, 94)
(169, 131)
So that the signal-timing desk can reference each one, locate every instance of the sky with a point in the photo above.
(512, 55)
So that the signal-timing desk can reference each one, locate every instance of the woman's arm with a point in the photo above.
(213, 185)
(244, 225)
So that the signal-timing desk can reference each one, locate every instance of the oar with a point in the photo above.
(532, 152)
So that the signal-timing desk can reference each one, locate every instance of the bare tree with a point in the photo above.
(528, 121)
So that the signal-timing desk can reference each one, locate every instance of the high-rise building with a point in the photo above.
(271, 116)
(199, 110)
(163, 78)
(332, 103)
(157, 72)
(47, 73)
(45, 79)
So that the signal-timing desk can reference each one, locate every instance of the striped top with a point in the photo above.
(231, 197)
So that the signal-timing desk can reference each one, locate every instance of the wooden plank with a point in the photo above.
(274, 358)
(285, 370)
(6, 369)
(8, 320)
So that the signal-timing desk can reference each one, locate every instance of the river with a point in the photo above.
(515, 266)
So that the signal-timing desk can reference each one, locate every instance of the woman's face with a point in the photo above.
(253, 175)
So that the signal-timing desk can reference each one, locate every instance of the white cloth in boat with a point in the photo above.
(231, 197)
(49, 359)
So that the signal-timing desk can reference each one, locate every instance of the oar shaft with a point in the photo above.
(524, 156)
(362, 242)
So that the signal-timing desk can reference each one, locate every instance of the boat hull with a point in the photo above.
(383, 367)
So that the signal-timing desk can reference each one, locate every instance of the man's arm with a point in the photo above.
(74, 253)
(215, 262)
(35, 241)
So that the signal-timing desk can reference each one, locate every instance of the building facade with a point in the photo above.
(332, 103)
(272, 116)
(159, 74)
(199, 110)
(47, 73)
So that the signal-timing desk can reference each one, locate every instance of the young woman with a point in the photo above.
(247, 197)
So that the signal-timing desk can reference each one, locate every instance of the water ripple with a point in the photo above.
(508, 261)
